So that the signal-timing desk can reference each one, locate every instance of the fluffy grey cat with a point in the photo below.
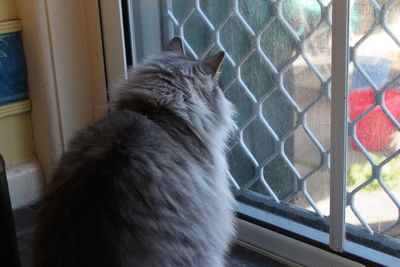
(146, 185)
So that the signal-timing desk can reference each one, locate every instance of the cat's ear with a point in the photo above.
(175, 45)
(211, 64)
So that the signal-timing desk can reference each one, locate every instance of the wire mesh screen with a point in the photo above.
(271, 75)
(277, 73)
(374, 113)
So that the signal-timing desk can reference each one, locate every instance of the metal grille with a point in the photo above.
(210, 26)
(380, 87)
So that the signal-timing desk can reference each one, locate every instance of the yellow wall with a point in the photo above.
(7, 10)
(16, 143)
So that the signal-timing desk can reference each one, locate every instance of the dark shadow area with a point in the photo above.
(24, 223)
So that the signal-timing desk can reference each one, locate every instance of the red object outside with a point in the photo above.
(375, 129)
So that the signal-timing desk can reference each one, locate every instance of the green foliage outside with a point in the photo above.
(359, 173)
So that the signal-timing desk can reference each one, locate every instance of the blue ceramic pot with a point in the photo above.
(13, 76)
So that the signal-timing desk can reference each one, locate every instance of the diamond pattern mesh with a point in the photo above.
(375, 44)
(277, 73)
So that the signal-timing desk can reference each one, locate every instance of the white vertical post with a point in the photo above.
(339, 136)
(132, 32)
(113, 40)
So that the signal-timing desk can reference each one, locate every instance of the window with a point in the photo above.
(288, 159)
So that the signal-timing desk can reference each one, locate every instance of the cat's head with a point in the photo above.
(183, 85)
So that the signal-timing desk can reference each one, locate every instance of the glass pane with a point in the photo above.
(373, 182)
(277, 73)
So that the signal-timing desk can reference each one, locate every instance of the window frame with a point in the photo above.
(64, 56)
(264, 233)
(66, 81)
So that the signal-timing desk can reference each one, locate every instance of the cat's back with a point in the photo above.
(125, 193)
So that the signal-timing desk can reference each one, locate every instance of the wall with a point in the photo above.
(16, 143)
(67, 89)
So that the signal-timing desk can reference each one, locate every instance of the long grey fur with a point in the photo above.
(146, 185)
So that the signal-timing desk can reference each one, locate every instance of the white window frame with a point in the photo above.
(253, 236)
(66, 80)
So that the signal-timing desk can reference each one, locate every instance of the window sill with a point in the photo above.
(240, 255)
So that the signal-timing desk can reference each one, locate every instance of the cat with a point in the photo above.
(146, 185)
